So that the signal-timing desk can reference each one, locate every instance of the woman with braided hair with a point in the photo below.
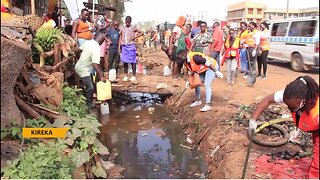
(302, 98)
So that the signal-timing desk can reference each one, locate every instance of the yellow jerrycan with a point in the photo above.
(104, 90)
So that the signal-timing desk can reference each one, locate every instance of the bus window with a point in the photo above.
(303, 28)
(279, 29)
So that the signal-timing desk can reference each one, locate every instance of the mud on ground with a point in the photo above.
(225, 144)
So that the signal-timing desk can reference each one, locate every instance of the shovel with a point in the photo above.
(251, 76)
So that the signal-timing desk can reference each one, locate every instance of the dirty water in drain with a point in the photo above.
(147, 139)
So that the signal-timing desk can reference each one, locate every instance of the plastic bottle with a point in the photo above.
(112, 75)
(104, 108)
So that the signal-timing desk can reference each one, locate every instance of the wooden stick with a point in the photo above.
(185, 146)
(53, 116)
(202, 136)
(62, 62)
(56, 54)
(41, 107)
(26, 107)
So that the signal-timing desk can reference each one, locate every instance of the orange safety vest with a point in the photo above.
(199, 68)
(232, 51)
(264, 40)
(250, 41)
(243, 35)
(83, 30)
(308, 122)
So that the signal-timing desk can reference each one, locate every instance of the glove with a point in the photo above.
(219, 74)
(252, 126)
(254, 53)
(208, 63)
(187, 84)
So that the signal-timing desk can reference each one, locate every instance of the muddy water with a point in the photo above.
(148, 143)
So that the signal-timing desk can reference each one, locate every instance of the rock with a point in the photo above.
(151, 109)
(107, 164)
(135, 82)
(161, 86)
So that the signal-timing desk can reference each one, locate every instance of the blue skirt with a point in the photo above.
(128, 53)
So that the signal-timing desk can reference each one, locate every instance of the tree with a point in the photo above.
(147, 25)
(119, 6)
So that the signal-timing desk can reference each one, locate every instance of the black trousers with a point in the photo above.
(114, 59)
(262, 62)
(134, 68)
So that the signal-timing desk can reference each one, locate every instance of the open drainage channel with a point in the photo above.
(141, 130)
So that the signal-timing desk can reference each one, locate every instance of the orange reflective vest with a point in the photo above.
(308, 122)
(199, 68)
(243, 35)
(232, 51)
(264, 40)
(83, 30)
(250, 41)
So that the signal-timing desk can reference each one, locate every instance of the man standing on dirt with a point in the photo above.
(113, 36)
(216, 46)
(90, 58)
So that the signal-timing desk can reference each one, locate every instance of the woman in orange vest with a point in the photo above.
(302, 98)
(231, 55)
(81, 29)
(252, 43)
(206, 67)
(264, 50)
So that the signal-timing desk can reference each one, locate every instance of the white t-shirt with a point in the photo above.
(63, 19)
(278, 96)
(90, 54)
(256, 37)
(178, 31)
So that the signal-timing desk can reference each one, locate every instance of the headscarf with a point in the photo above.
(181, 21)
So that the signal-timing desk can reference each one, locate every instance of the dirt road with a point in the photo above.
(225, 144)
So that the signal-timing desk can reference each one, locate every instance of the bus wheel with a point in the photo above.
(297, 62)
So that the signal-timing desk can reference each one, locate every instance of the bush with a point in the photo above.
(42, 161)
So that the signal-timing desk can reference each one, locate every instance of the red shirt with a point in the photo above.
(188, 42)
(217, 39)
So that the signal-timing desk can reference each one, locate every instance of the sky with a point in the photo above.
(170, 10)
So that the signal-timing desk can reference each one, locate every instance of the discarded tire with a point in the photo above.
(280, 142)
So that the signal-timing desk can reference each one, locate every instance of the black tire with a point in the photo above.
(297, 62)
(280, 142)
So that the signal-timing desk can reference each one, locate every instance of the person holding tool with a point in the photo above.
(252, 43)
(302, 98)
(204, 67)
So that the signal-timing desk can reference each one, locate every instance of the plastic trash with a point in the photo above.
(112, 75)
(104, 108)
(166, 71)
(104, 91)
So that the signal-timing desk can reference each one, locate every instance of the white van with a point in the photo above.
(295, 40)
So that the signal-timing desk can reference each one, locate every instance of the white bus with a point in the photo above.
(295, 40)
